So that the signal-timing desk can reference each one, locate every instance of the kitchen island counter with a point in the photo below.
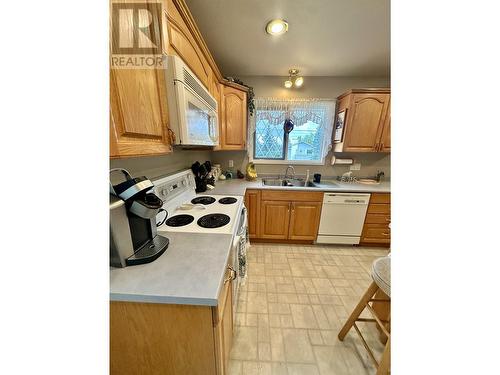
(189, 272)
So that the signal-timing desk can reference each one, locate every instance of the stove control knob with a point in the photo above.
(164, 192)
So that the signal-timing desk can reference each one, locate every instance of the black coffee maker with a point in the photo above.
(133, 209)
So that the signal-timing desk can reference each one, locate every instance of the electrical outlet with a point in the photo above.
(231, 164)
(355, 167)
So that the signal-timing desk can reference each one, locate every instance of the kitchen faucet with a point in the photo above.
(286, 171)
(379, 176)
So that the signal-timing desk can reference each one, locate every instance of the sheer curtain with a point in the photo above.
(300, 111)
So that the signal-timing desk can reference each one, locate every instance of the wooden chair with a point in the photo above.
(381, 275)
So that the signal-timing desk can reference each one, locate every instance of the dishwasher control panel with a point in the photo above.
(346, 198)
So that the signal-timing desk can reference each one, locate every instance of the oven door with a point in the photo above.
(199, 121)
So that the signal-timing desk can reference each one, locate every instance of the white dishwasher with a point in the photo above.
(342, 218)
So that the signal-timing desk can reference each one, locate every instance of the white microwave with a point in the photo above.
(192, 110)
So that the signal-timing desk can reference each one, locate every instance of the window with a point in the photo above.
(307, 143)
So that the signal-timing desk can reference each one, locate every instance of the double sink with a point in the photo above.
(291, 182)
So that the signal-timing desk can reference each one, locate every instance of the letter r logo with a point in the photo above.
(136, 28)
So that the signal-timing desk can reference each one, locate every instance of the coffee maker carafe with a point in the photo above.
(133, 208)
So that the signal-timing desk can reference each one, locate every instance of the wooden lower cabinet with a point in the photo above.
(275, 218)
(304, 220)
(155, 338)
(376, 229)
(252, 203)
(281, 215)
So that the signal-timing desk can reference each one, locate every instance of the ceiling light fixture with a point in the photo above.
(294, 78)
(277, 27)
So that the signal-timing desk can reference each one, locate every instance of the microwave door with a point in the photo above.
(201, 126)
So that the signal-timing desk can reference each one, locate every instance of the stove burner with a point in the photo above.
(179, 220)
(203, 200)
(213, 220)
(227, 200)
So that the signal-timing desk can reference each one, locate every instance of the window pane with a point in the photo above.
(305, 142)
(269, 135)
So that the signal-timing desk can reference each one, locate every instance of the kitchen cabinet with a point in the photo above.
(285, 215)
(376, 229)
(275, 218)
(156, 338)
(304, 220)
(252, 203)
(367, 123)
(139, 113)
(233, 123)
(224, 325)
(385, 139)
(186, 42)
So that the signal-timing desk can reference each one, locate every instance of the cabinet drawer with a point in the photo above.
(379, 209)
(380, 198)
(292, 196)
(378, 219)
(376, 231)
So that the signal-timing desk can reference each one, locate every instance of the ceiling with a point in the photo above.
(325, 37)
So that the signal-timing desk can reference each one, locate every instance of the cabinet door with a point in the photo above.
(365, 122)
(138, 113)
(184, 43)
(275, 218)
(224, 324)
(252, 203)
(385, 140)
(234, 119)
(227, 327)
(304, 220)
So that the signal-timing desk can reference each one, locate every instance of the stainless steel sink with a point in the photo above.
(292, 182)
(274, 182)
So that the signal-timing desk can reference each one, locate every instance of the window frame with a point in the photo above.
(284, 160)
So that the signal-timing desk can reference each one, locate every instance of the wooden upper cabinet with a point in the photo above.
(233, 129)
(184, 41)
(275, 218)
(367, 112)
(139, 116)
(304, 220)
(385, 139)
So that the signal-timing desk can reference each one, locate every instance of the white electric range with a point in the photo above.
(191, 213)
(188, 212)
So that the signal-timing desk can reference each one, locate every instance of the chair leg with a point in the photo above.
(385, 362)
(372, 289)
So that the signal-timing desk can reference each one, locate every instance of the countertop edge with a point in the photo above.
(122, 297)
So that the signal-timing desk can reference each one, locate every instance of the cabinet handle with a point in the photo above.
(233, 275)
(388, 220)
(385, 234)
(381, 146)
(376, 147)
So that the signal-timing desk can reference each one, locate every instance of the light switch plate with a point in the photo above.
(355, 167)
(231, 164)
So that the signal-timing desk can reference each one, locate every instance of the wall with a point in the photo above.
(156, 166)
(314, 87)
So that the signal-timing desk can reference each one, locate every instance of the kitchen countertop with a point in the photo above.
(189, 272)
(238, 187)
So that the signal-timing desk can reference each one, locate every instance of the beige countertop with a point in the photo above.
(238, 187)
